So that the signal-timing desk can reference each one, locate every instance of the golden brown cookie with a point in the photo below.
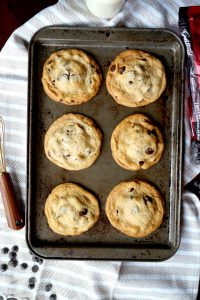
(71, 77)
(137, 143)
(135, 208)
(71, 210)
(135, 78)
(73, 142)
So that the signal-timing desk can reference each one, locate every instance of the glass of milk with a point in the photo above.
(105, 8)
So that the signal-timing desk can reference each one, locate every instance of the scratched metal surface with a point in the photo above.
(103, 241)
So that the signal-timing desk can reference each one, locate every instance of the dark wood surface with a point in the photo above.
(13, 13)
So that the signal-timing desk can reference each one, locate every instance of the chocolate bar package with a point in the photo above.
(189, 24)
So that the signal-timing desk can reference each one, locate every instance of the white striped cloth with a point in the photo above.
(176, 278)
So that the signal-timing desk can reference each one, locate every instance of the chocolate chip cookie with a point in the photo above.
(71, 210)
(135, 78)
(137, 143)
(73, 142)
(71, 77)
(135, 208)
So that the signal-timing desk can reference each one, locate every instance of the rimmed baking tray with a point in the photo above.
(103, 241)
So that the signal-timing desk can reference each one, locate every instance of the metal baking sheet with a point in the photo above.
(103, 241)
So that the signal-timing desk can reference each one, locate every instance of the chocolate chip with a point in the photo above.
(117, 211)
(141, 162)
(24, 266)
(66, 76)
(149, 151)
(152, 132)
(13, 263)
(40, 261)
(132, 189)
(5, 250)
(12, 255)
(90, 81)
(32, 280)
(83, 212)
(112, 68)
(35, 268)
(196, 184)
(3, 267)
(142, 59)
(53, 297)
(15, 248)
(80, 126)
(48, 287)
(36, 258)
(130, 82)
(147, 198)
(122, 69)
(31, 286)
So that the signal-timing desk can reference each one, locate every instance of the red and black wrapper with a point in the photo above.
(189, 24)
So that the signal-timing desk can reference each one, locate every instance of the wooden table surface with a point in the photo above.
(13, 13)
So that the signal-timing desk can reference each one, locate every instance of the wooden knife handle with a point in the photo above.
(13, 212)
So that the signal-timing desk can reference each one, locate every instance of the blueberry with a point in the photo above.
(15, 248)
(32, 280)
(48, 287)
(31, 286)
(53, 297)
(35, 268)
(24, 266)
(5, 250)
(3, 267)
(12, 255)
(13, 263)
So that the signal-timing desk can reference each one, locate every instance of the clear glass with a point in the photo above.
(105, 8)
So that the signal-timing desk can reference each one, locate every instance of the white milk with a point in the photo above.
(105, 8)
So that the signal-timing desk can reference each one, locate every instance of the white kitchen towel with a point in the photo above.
(31, 278)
